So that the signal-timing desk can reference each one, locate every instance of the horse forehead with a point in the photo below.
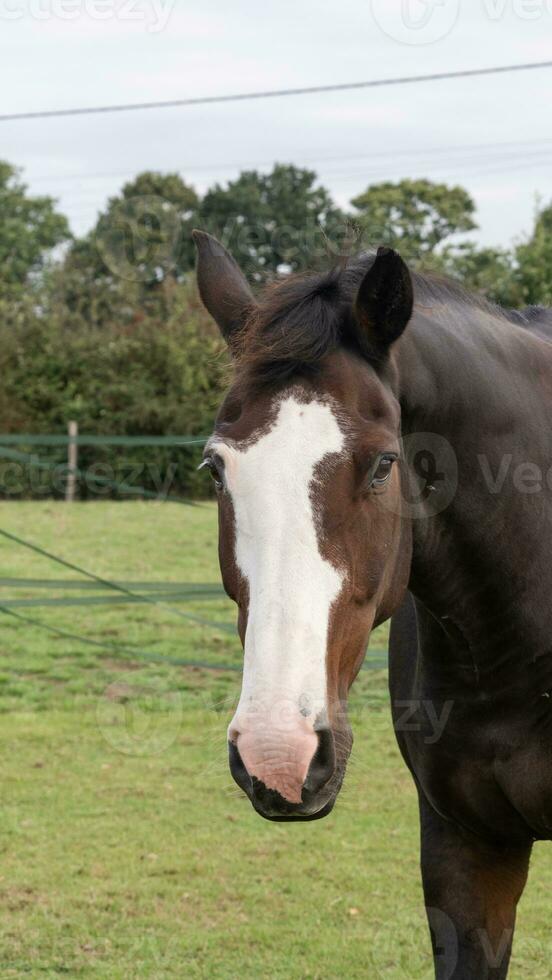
(301, 434)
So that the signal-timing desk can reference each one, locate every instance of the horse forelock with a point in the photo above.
(302, 318)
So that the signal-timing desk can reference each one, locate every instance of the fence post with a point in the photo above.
(72, 461)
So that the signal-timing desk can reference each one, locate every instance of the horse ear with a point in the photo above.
(384, 302)
(222, 285)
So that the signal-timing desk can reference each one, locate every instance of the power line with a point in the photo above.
(509, 148)
(275, 93)
(473, 167)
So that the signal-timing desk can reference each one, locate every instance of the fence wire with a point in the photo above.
(125, 594)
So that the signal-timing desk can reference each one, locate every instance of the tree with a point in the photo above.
(488, 271)
(145, 232)
(139, 249)
(534, 262)
(165, 375)
(30, 228)
(275, 221)
(415, 216)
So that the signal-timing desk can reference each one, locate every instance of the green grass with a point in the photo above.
(126, 851)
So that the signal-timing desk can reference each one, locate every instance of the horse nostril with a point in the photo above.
(322, 766)
(237, 767)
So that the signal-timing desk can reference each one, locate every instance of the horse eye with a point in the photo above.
(210, 464)
(383, 471)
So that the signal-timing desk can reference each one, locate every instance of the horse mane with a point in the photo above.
(302, 318)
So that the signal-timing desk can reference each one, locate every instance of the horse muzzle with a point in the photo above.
(278, 781)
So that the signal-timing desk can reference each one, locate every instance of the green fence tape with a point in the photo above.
(46, 439)
(191, 588)
(224, 627)
(118, 647)
(106, 600)
(127, 594)
(146, 655)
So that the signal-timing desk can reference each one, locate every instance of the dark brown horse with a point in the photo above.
(385, 450)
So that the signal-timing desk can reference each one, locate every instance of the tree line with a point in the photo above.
(107, 328)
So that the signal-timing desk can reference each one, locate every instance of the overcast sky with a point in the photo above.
(493, 135)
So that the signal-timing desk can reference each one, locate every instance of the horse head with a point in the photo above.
(314, 548)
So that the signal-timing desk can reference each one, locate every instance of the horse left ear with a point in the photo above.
(384, 302)
(222, 285)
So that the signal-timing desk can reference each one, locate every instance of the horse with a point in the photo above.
(383, 452)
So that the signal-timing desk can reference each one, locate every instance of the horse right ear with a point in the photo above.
(384, 303)
(222, 285)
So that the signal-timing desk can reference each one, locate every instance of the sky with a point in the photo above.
(492, 135)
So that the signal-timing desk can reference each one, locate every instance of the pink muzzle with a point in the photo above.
(280, 759)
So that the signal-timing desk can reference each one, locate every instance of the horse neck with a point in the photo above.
(482, 384)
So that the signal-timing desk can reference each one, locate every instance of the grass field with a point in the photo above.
(126, 851)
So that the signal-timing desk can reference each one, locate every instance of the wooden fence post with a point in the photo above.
(72, 461)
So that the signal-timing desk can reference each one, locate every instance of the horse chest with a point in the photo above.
(492, 777)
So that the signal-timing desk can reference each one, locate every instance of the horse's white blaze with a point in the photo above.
(291, 589)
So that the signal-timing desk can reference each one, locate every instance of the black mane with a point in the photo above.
(301, 319)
